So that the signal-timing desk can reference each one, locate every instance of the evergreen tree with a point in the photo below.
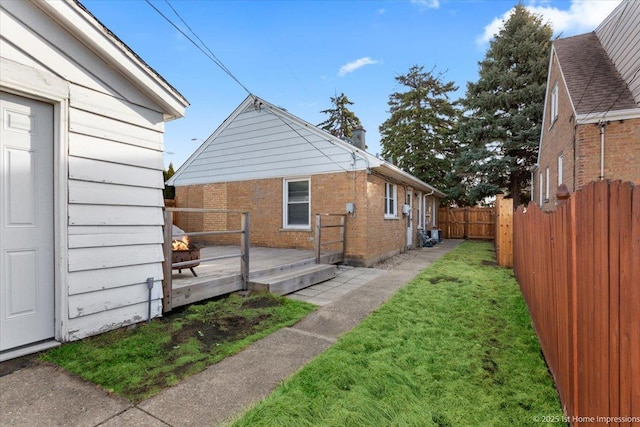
(500, 130)
(169, 191)
(419, 135)
(341, 121)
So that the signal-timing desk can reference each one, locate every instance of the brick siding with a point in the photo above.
(369, 236)
(622, 149)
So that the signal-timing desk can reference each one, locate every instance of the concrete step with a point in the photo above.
(283, 283)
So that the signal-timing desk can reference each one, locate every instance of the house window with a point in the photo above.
(554, 103)
(546, 188)
(390, 200)
(296, 203)
(540, 184)
(560, 164)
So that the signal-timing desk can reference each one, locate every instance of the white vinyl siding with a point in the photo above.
(390, 200)
(620, 37)
(297, 203)
(257, 144)
(114, 177)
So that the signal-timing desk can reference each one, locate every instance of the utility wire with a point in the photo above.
(208, 53)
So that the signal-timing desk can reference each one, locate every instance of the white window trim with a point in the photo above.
(560, 169)
(393, 198)
(285, 204)
(554, 104)
(546, 188)
(541, 184)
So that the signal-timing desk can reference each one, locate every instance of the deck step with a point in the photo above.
(293, 280)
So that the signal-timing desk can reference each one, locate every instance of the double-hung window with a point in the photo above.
(297, 203)
(390, 200)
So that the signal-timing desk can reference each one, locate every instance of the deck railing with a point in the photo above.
(318, 243)
(169, 265)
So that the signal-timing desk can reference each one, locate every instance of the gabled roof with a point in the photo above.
(335, 152)
(593, 82)
(77, 20)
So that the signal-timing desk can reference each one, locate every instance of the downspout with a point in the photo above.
(602, 126)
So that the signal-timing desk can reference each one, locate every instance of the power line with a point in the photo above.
(208, 53)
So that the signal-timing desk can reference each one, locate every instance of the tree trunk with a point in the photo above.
(514, 189)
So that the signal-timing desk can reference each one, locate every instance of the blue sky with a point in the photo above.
(297, 54)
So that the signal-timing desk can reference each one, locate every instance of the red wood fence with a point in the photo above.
(579, 271)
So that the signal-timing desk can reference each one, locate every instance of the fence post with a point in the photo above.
(504, 231)
(244, 250)
(166, 264)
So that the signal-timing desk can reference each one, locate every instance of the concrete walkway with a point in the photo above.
(43, 395)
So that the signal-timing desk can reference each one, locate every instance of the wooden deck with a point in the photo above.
(223, 276)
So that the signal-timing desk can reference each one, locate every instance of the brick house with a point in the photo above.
(591, 123)
(284, 170)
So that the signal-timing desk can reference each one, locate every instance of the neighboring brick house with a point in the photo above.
(591, 124)
(284, 170)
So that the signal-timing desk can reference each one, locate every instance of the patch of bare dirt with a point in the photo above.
(394, 261)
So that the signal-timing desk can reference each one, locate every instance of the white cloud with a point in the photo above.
(354, 65)
(581, 17)
(427, 4)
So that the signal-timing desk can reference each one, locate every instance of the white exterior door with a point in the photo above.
(410, 219)
(26, 222)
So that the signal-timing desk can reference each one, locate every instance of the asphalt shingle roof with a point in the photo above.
(594, 83)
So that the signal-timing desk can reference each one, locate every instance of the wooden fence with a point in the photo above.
(467, 223)
(579, 271)
(504, 231)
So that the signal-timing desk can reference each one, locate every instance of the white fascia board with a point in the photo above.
(103, 43)
(583, 119)
(396, 173)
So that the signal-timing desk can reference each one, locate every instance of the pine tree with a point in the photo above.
(341, 121)
(169, 191)
(500, 130)
(419, 135)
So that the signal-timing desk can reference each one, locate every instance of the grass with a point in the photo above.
(137, 363)
(455, 347)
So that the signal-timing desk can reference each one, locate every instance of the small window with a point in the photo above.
(390, 197)
(546, 188)
(554, 104)
(296, 203)
(560, 166)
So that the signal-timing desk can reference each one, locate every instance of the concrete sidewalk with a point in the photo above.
(43, 395)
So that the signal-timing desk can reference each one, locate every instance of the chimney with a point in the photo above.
(357, 138)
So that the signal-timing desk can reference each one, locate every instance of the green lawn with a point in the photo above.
(137, 363)
(455, 347)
